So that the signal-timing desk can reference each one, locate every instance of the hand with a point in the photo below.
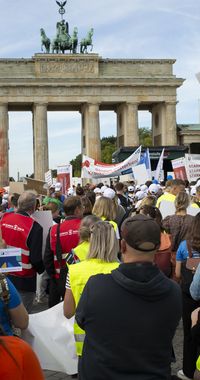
(194, 316)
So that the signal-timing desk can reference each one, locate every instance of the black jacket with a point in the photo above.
(130, 317)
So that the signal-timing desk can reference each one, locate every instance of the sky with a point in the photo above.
(134, 29)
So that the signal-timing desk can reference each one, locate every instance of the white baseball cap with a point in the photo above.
(103, 188)
(58, 186)
(140, 195)
(109, 193)
(193, 191)
(153, 188)
(144, 187)
(131, 189)
(97, 190)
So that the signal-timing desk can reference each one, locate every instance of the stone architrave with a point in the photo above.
(4, 145)
(40, 141)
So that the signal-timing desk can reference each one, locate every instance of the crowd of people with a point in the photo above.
(125, 272)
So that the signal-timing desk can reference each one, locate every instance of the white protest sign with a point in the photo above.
(44, 218)
(51, 336)
(48, 178)
(140, 174)
(192, 163)
(10, 260)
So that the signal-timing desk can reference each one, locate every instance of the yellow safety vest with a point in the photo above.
(198, 363)
(165, 197)
(82, 250)
(79, 274)
(114, 224)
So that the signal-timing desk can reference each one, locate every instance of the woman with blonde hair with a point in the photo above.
(102, 258)
(82, 249)
(104, 209)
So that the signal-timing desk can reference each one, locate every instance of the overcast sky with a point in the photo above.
(122, 29)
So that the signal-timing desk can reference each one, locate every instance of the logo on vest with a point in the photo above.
(14, 227)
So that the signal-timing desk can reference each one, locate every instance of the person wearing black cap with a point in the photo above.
(130, 316)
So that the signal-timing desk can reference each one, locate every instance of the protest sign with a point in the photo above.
(96, 169)
(179, 168)
(51, 336)
(33, 184)
(140, 174)
(64, 176)
(48, 178)
(10, 260)
(192, 164)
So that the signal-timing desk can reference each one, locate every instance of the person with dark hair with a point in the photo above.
(91, 196)
(120, 190)
(79, 191)
(178, 225)
(22, 231)
(60, 241)
(187, 248)
(18, 360)
(87, 205)
(127, 315)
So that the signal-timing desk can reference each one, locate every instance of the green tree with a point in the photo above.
(145, 137)
(108, 147)
(76, 165)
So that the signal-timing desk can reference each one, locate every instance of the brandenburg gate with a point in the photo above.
(88, 84)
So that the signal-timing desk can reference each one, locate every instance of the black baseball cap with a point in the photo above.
(141, 232)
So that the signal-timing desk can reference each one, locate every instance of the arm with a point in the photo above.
(69, 306)
(48, 257)
(34, 243)
(19, 317)
(16, 309)
(195, 285)
(181, 255)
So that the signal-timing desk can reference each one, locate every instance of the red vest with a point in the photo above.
(15, 229)
(69, 238)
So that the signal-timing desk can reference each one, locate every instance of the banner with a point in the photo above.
(158, 172)
(179, 168)
(64, 176)
(192, 164)
(51, 336)
(10, 260)
(95, 169)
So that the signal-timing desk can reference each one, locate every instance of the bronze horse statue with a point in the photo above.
(45, 41)
(85, 42)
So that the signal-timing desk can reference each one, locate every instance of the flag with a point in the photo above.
(159, 166)
(145, 159)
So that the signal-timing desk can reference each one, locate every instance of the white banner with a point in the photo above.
(158, 172)
(96, 169)
(51, 336)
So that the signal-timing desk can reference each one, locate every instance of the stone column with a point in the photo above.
(4, 145)
(170, 131)
(40, 141)
(127, 125)
(91, 144)
(164, 124)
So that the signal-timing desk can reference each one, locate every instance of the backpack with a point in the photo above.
(162, 257)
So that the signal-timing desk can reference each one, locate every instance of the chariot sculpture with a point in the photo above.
(63, 41)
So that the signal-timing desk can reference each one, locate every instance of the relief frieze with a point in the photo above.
(67, 67)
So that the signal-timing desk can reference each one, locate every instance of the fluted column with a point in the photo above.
(91, 144)
(170, 131)
(4, 145)
(127, 125)
(40, 141)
